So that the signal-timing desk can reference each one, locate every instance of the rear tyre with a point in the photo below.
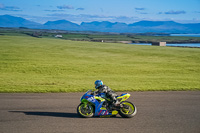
(85, 110)
(128, 110)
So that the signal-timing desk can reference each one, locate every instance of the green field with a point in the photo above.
(29, 64)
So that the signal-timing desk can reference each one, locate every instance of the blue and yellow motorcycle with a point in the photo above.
(97, 105)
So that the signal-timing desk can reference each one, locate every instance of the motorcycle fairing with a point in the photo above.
(97, 102)
(123, 97)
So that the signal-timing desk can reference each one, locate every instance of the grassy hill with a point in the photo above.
(30, 64)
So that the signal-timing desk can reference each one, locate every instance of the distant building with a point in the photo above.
(58, 36)
(159, 43)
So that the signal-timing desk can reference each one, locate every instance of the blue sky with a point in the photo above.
(126, 11)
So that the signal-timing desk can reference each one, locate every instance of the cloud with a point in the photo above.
(139, 9)
(65, 7)
(80, 9)
(143, 13)
(173, 12)
(54, 10)
(9, 8)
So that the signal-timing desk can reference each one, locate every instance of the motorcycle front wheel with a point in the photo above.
(127, 110)
(85, 110)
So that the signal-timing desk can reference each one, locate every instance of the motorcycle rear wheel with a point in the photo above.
(85, 111)
(128, 110)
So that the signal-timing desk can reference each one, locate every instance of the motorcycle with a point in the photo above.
(98, 105)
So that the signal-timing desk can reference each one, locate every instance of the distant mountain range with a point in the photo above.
(105, 26)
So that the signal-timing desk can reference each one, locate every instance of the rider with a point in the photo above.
(101, 88)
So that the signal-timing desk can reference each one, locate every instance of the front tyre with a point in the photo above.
(85, 110)
(128, 110)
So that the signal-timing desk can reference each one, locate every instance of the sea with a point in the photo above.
(190, 35)
(178, 44)
(197, 45)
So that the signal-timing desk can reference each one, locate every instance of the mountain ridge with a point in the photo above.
(10, 21)
(104, 26)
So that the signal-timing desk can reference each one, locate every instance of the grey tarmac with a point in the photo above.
(157, 112)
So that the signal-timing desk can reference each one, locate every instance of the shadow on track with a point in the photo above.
(57, 114)
(52, 114)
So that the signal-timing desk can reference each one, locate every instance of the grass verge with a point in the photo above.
(30, 64)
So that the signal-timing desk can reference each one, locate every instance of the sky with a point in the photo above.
(125, 11)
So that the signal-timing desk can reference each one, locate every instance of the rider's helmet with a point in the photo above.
(98, 83)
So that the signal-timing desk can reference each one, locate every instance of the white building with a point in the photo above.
(58, 36)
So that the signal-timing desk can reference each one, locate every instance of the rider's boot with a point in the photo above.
(116, 103)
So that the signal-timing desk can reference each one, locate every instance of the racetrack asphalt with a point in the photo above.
(157, 112)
